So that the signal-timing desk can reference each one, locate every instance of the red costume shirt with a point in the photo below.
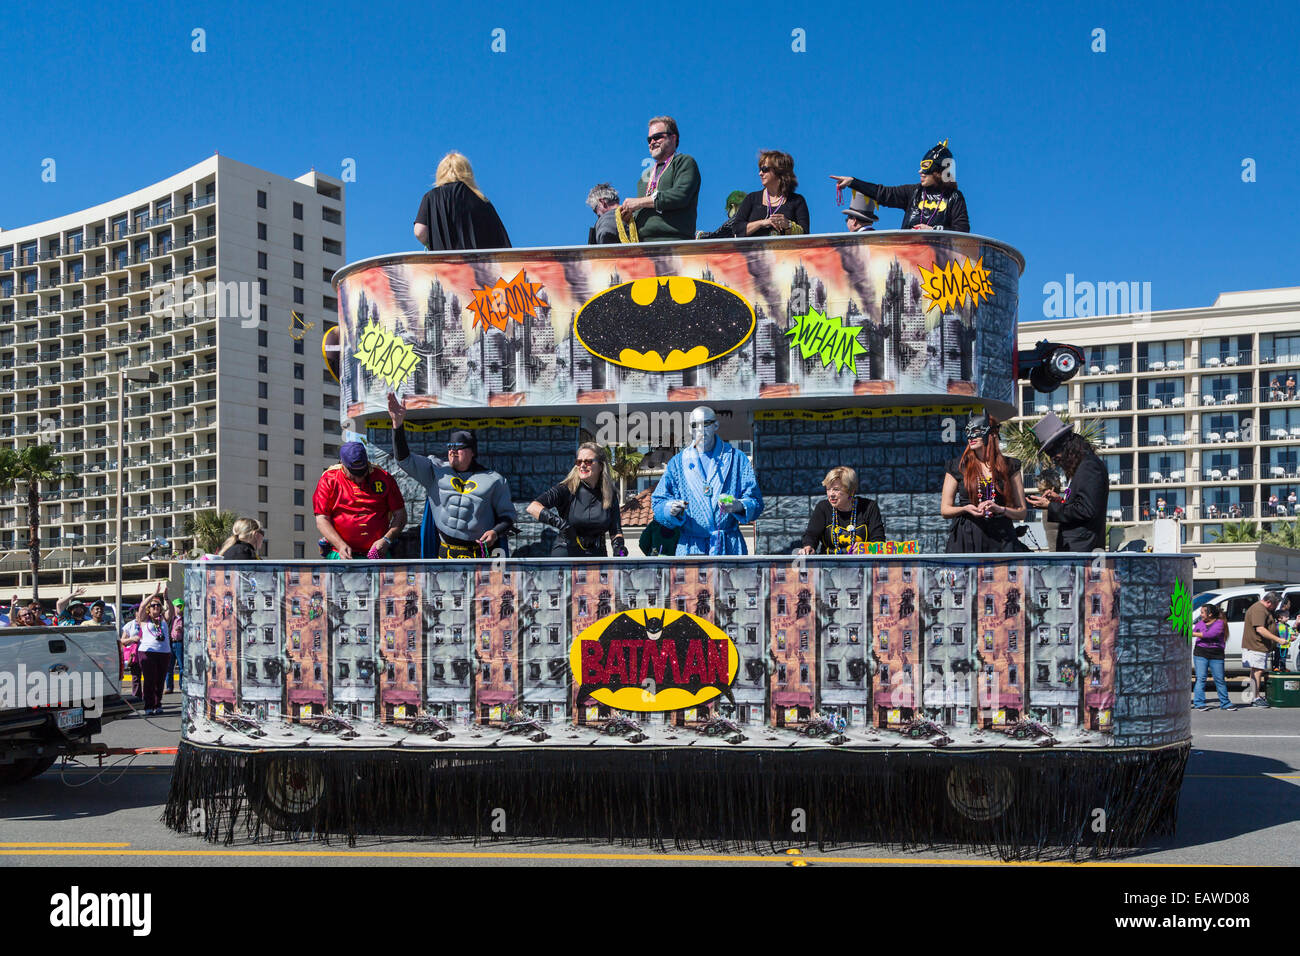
(359, 512)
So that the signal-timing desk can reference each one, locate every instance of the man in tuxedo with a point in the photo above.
(1081, 510)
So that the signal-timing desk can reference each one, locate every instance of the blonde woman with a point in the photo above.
(455, 214)
(245, 541)
(843, 522)
(583, 508)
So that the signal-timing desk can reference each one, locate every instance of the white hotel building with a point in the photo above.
(242, 415)
(1199, 407)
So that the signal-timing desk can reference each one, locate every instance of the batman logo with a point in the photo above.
(653, 660)
(462, 486)
(664, 324)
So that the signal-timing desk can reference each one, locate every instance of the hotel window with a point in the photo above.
(261, 199)
(297, 210)
(261, 230)
(297, 270)
(297, 241)
(261, 260)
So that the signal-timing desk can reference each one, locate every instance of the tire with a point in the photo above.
(286, 796)
(25, 769)
(980, 793)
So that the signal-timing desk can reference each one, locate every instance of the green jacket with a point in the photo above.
(674, 214)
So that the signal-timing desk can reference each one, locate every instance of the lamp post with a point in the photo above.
(72, 538)
(123, 375)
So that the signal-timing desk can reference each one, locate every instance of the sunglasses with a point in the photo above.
(765, 169)
(711, 421)
(657, 137)
(457, 447)
(590, 462)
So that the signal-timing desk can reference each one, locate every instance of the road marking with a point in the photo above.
(597, 857)
(65, 844)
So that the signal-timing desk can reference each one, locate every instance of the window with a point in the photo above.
(298, 371)
(298, 523)
(298, 447)
(299, 473)
(262, 466)
(261, 260)
(261, 316)
(261, 199)
(262, 415)
(261, 493)
(297, 295)
(832, 671)
(297, 347)
(327, 274)
(331, 215)
(297, 270)
(297, 241)
(299, 550)
(261, 338)
(298, 421)
(263, 286)
(263, 444)
(262, 388)
(332, 246)
(261, 230)
(298, 495)
(297, 210)
(298, 396)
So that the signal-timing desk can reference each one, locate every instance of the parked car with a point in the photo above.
(1234, 602)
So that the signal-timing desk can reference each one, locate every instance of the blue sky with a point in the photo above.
(1117, 166)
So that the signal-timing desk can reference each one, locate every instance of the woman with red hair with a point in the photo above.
(983, 493)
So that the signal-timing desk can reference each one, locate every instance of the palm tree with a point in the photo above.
(1287, 537)
(1237, 532)
(209, 529)
(34, 465)
(624, 463)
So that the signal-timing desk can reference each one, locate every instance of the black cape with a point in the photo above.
(458, 219)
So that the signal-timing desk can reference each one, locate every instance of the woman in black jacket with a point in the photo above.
(843, 522)
(246, 537)
(776, 209)
(583, 508)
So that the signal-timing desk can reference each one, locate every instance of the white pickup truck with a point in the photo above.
(58, 687)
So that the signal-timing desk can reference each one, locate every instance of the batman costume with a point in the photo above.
(941, 206)
(460, 506)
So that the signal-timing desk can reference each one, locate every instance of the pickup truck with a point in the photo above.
(58, 687)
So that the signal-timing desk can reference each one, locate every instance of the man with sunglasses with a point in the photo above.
(467, 510)
(359, 508)
(667, 192)
(1080, 512)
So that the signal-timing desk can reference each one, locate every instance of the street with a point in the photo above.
(1240, 805)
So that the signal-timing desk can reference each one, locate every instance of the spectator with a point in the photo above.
(148, 633)
(667, 194)
(583, 508)
(1290, 500)
(177, 625)
(1211, 636)
(1290, 388)
(464, 516)
(861, 214)
(776, 209)
(359, 508)
(1259, 630)
(96, 618)
(1275, 389)
(1160, 507)
(70, 612)
(1234, 511)
(728, 229)
(455, 214)
(933, 203)
(1272, 504)
(1146, 513)
(245, 541)
(603, 201)
(1211, 510)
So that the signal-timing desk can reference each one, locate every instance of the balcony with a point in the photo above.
(1124, 476)
(200, 201)
(1108, 367)
(1224, 511)
(1226, 359)
(1227, 397)
(1153, 402)
(1161, 365)
(1225, 473)
(1155, 477)
(1223, 437)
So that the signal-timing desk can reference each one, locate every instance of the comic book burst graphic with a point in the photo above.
(954, 285)
(1180, 610)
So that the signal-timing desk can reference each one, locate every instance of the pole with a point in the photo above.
(121, 450)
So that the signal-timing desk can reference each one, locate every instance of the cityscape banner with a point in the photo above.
(868, 317)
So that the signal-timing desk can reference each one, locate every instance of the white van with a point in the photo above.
(1234, 602)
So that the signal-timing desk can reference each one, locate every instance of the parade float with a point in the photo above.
(1021, 702)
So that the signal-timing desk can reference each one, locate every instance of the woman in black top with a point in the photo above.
(984, 493)
(455, 214)
(583, 508)
(246, 537)
(842, 522)
(776, 209)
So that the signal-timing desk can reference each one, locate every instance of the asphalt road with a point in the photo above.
(1240, 805)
